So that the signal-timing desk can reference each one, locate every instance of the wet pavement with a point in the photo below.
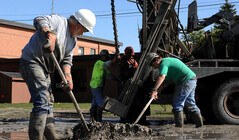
(17, 130)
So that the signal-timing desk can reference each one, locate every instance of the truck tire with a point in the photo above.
(226, 102)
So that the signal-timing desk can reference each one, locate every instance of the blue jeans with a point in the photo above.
(97, 96)
(39, 85)
(184, 95)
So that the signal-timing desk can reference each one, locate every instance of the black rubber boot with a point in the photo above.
(50, 130)
(99, 115)
(37, 124)
(197, 118)
(104, 102)
(178, 118)
(93, 113)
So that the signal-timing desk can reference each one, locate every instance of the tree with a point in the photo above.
(228, 7)
(219, 29)
(198, 37)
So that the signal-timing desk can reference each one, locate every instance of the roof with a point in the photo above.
(94, 57)
(9, 60)
(98, 40)
(84, 37)
(12, 74)
(16, 24)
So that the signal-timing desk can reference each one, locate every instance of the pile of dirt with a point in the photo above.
(108, 130)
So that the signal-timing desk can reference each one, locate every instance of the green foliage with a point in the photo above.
(216, 34)
(219, 29)
(228, 7)
(196, 37)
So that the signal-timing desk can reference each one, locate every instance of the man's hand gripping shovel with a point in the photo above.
(70, 92)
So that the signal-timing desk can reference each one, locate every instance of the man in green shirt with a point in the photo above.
(176, 72)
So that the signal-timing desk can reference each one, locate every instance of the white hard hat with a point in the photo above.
(86, 18)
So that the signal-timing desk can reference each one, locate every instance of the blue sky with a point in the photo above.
(25, 11)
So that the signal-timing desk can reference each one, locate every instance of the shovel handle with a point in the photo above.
(145, 108)
(70, 92)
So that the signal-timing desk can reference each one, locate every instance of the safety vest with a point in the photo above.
(98, 75)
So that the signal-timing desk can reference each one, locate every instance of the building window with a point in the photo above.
(92, 51)
(81, 51)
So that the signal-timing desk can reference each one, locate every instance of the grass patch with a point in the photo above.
(56, 105)
(18, 105)
(71, 105)
(162, 110)
(156, 109)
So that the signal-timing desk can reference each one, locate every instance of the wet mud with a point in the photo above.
(156, 130)
(109, 130)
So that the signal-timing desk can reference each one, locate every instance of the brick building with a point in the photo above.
(14, 36)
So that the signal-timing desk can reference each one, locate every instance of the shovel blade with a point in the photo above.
(116, 107)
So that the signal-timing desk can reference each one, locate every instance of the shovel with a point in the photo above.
(145, 108)
(70, 92)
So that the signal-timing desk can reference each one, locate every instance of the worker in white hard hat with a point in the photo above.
(56, 34)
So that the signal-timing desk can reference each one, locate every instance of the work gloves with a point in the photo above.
(50, 41)
(69, 86)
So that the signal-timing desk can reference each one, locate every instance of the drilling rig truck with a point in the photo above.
(216, 65)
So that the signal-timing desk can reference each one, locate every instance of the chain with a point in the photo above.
(116, 43)
(115, 27)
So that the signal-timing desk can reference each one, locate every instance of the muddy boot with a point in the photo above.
(50, 130)
(178, 118)
(104, 102)
(99, 115)
(37, 124)
(197, 118)
(93, 113)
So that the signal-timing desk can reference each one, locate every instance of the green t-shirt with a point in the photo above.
(98, 74)
(175, 70)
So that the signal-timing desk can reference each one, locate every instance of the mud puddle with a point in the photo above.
(112, 129)
(156, 130)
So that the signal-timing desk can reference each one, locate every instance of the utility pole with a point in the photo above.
(52, 7)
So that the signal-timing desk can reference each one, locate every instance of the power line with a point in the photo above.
(203, 8)
(212, 2)
(199, 6)
(185, 7)
(128, 13)
(134, 13)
